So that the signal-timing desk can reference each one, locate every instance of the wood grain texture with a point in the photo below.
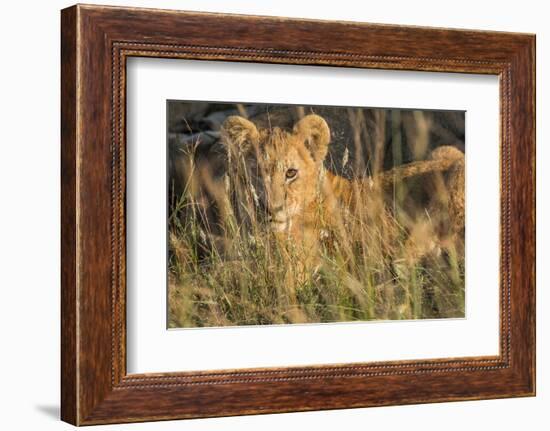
(69, 397)
(96, 41)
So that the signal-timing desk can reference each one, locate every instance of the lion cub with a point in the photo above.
(303, 200)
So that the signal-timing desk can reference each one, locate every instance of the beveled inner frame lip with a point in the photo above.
(123, 50)
(96, 41)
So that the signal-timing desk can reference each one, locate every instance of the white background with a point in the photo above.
(151, 348)
(29, 216)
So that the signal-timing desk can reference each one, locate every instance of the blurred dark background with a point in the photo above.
(376, 139)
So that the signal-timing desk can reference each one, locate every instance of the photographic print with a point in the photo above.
(285, 214)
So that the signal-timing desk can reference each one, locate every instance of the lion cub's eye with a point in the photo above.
(291, 173)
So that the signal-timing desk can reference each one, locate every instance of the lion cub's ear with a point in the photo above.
(239, 135)
(316, 134)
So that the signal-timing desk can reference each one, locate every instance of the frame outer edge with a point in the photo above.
(532, 79)
(69, 211)
(523, 207)
(530, 63)
(533, 54)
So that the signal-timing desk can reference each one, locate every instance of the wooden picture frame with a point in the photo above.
(95, 43)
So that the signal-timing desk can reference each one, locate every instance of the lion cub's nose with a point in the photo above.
(273, 211)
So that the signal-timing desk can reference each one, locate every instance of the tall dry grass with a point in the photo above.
(381, 261)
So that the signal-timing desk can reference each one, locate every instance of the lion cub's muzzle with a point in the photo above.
(277, 219)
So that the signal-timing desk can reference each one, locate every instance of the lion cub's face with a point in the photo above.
(288, 166)
(290, 177)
